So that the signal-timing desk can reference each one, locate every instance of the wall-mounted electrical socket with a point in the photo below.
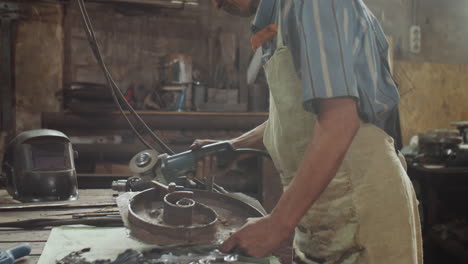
(415, 39)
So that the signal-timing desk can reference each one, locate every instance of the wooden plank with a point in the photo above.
(28, 260)
(19, 236)
(85, 195)
(432, 96)
(96, 196)
(256, 114)
(157, 120)
(12, 216)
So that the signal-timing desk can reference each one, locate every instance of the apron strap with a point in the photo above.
(279, 36)
(281, 17)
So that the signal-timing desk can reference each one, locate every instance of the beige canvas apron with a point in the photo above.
(368, 213)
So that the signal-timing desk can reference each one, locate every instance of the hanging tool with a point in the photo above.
(11, 255)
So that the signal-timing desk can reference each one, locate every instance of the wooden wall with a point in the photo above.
(134, 40)
(38, 64)
(432, 96)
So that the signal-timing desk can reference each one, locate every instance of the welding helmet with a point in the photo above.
(38, 166)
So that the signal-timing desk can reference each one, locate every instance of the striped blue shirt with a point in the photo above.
(339, 49)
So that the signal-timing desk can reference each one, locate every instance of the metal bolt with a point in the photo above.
(172, 187)
(143, 159)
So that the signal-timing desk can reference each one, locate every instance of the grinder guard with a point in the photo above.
(39, 166)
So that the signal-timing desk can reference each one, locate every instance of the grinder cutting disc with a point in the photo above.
(142, 164)
(184, 218)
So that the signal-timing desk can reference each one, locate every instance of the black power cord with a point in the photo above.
(115, 91)
(250, 151)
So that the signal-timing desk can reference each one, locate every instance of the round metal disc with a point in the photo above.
(145, 223)
(144, 161)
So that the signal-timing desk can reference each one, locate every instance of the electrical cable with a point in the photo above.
(252, 151)
(90, 35)
(116, 92)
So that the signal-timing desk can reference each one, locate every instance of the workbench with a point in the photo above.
(37, 238)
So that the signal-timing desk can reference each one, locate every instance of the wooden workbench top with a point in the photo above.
(9, 237)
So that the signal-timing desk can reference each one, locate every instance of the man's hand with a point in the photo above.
(198, 143)
(264, 35)
(258, 238)
(208, 167)
(250, 139)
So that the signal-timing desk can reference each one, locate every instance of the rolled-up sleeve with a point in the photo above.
(327, 39)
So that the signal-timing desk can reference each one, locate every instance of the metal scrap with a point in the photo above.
(152, 257)
(41, 206)
(47, 222)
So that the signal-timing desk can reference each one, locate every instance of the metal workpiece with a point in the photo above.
(462, 126)
(190, 217)
(181, 210)
(120, 185)
(172, 255)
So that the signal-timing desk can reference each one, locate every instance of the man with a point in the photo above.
(348, 197)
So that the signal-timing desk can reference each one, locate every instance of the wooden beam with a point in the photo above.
(157, 120)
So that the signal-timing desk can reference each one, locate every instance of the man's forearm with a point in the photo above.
(251, 139)
(332, 137)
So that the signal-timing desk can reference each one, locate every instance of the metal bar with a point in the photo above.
(46, 222)
(40, 206)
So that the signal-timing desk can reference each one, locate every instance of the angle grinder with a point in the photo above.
(149, 165)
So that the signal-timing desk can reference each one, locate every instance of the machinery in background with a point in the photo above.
(440, 147)
(38, 166)
(437, 165)
(462, 126)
